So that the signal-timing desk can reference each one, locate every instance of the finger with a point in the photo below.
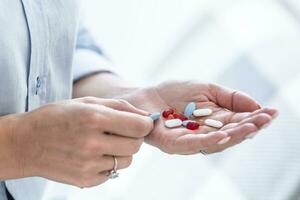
(192, 143)
(260, 120)
(107, 162)
(237, 135)
(241, 131)
(120, 146)
(229, 126)
(117, 104)
(105, 166)
(232, 100)
(125, 123)
(241, 116)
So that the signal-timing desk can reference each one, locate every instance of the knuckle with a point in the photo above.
(92, 119)
(136, 145)
(88, 99)
(123, 102)
(143, 127)
(82, 179)
(83, 182)
(91, 147)
(128, 161)
(119, 103)
(85, 169)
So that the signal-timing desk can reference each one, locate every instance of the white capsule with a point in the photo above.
(202, 112)
(213, 123)
(173, 123)
(184, 123)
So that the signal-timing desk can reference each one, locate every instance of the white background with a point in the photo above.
(155, 40)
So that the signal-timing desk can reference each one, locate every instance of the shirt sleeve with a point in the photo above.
(88, 57)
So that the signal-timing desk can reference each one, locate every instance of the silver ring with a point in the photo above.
(113, 173)
(203, 152)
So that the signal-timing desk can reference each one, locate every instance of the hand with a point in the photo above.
(73, 141)
(241, 115)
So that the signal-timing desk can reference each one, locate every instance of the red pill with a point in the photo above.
(170, 117)
(180, 116)
(192, 125)
(168, 112)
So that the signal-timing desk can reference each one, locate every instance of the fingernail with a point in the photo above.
(251, 135)
(224, 141)
(275, 115)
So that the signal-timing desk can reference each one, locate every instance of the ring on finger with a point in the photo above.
(203, 152)
(114, 173)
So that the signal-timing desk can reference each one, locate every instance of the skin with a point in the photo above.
(73, 141)
(241, 114)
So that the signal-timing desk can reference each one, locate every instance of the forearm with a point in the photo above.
(9, 167)
(102, 85)
(107, 85)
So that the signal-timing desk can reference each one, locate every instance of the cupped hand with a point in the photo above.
(74, 141)
(241, 115)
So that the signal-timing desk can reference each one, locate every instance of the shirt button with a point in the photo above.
(38, 85)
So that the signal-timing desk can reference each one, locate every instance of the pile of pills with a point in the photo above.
(188, 118)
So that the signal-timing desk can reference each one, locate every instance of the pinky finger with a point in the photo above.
(191, 144)
(236, 134)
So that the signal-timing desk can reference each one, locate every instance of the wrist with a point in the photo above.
(138, 97)
(144, 99)
(11, 163)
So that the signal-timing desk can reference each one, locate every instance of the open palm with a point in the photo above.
(241, 116)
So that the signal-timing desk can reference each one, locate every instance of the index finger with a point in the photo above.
(126, 124)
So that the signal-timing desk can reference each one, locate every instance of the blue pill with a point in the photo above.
(155, 116)
(189, 109)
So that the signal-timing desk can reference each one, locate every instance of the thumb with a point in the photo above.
(116, 104)
(122, 105)
(235, 101)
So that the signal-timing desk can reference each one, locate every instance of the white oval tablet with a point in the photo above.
(173, 123)
(202, 112)
(213, 123)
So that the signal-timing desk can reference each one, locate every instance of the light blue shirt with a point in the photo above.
(43, 49)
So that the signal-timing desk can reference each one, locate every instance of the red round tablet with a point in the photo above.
(180, 116)
(168, 112)
(192, 125)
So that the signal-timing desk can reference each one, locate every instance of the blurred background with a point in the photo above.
(253, 46)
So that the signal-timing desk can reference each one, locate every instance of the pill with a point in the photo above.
(171, 117)
(213, 123)
(168, 112)
(189, 109)
(202, 112)
(192, 125)
(180, 116)
(184, 123)
(173, 123)
(155, 116)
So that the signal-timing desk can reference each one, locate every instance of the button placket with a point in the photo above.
(38, 85)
